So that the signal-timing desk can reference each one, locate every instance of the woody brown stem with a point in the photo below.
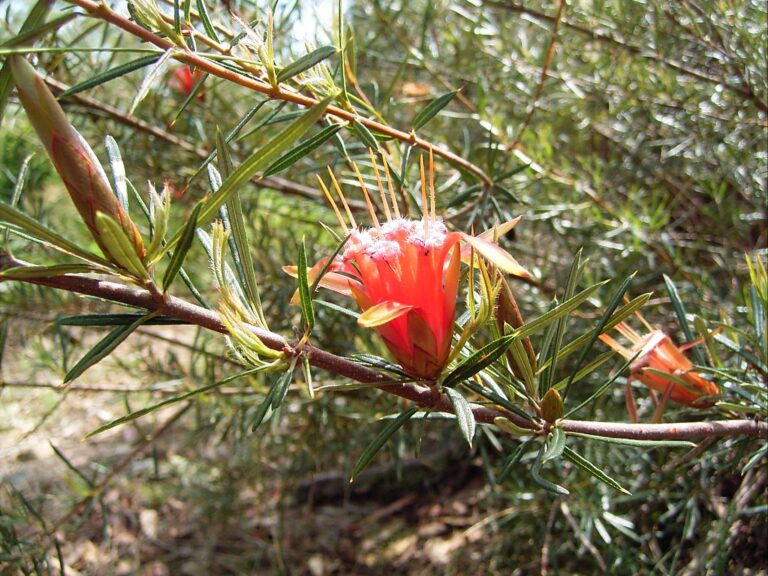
(426, 397)
(103, 12)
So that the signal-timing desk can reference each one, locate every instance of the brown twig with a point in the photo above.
(273, 182)
(550, 54)
(103, 12)
(429, 398)
(744, 90)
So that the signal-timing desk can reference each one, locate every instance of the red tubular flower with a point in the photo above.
(184, 80)
(404, 275)
(656, 354)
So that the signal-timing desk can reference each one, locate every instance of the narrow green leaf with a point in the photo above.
(177, 17)
(262, 410)
(478, 360)
(491, 396)
(621, 314)
(754, 459)
(149, 80)
(304, 293)
(432, 109)
(118, 171)
(743, 352)
(373, 448)
(326, 266)
(609, 310)
(574, 275)
(180, 253)
(114, 320)
(239, 244)
(305, 62)
(464, 415)
(366, 136)
(118, 247)
(586, 465)
(111, 74)
(69, 465)
(342, 67)
(282, 385)
(544, 483)
(303, 149)
(677, 305)
(259, 160)
(18, 188)
(637, 443)
(149, 409)
(36, 15)
(34, 33)
(206, 20)
(512, 461)
(190, 97)
(602, 389)
(19, 222)
(555, 445)
(565, 308)
(232, 134)
(103, 348)
(28, 272)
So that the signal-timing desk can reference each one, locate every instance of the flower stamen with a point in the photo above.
(343, 200)
(333, 205)
(391, 188)
(382, 194)
(371, 210)
(424, 206)
(432, 182)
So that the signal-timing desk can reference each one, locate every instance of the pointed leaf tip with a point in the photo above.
(496, 256)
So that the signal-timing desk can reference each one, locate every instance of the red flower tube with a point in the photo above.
(658, 356)
(404, 276)
(184, 80)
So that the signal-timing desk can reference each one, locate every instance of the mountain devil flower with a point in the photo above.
(184, 80)
(404, 273)
(662, 366)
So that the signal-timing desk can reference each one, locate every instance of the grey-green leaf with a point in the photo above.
(586, 465)
(304, 293)
(305, 62)
(303, 149)
(432, 109)
(111, 74)
(464, 415)
(479, 360)
(103, 348)
(257, 161)
(180, 253)
(373, 448)
(178, 398)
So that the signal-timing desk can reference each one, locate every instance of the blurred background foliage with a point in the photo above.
(636, 133)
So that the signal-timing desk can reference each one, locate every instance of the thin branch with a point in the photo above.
(103, 12)
(428, 398)
(273, 182)
(549, 55)
(744, 90)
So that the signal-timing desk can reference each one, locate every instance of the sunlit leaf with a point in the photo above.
(464, 415)
(432, 109)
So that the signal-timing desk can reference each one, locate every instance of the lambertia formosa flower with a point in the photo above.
(404, 273)
(662, 366)
(184, 80)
